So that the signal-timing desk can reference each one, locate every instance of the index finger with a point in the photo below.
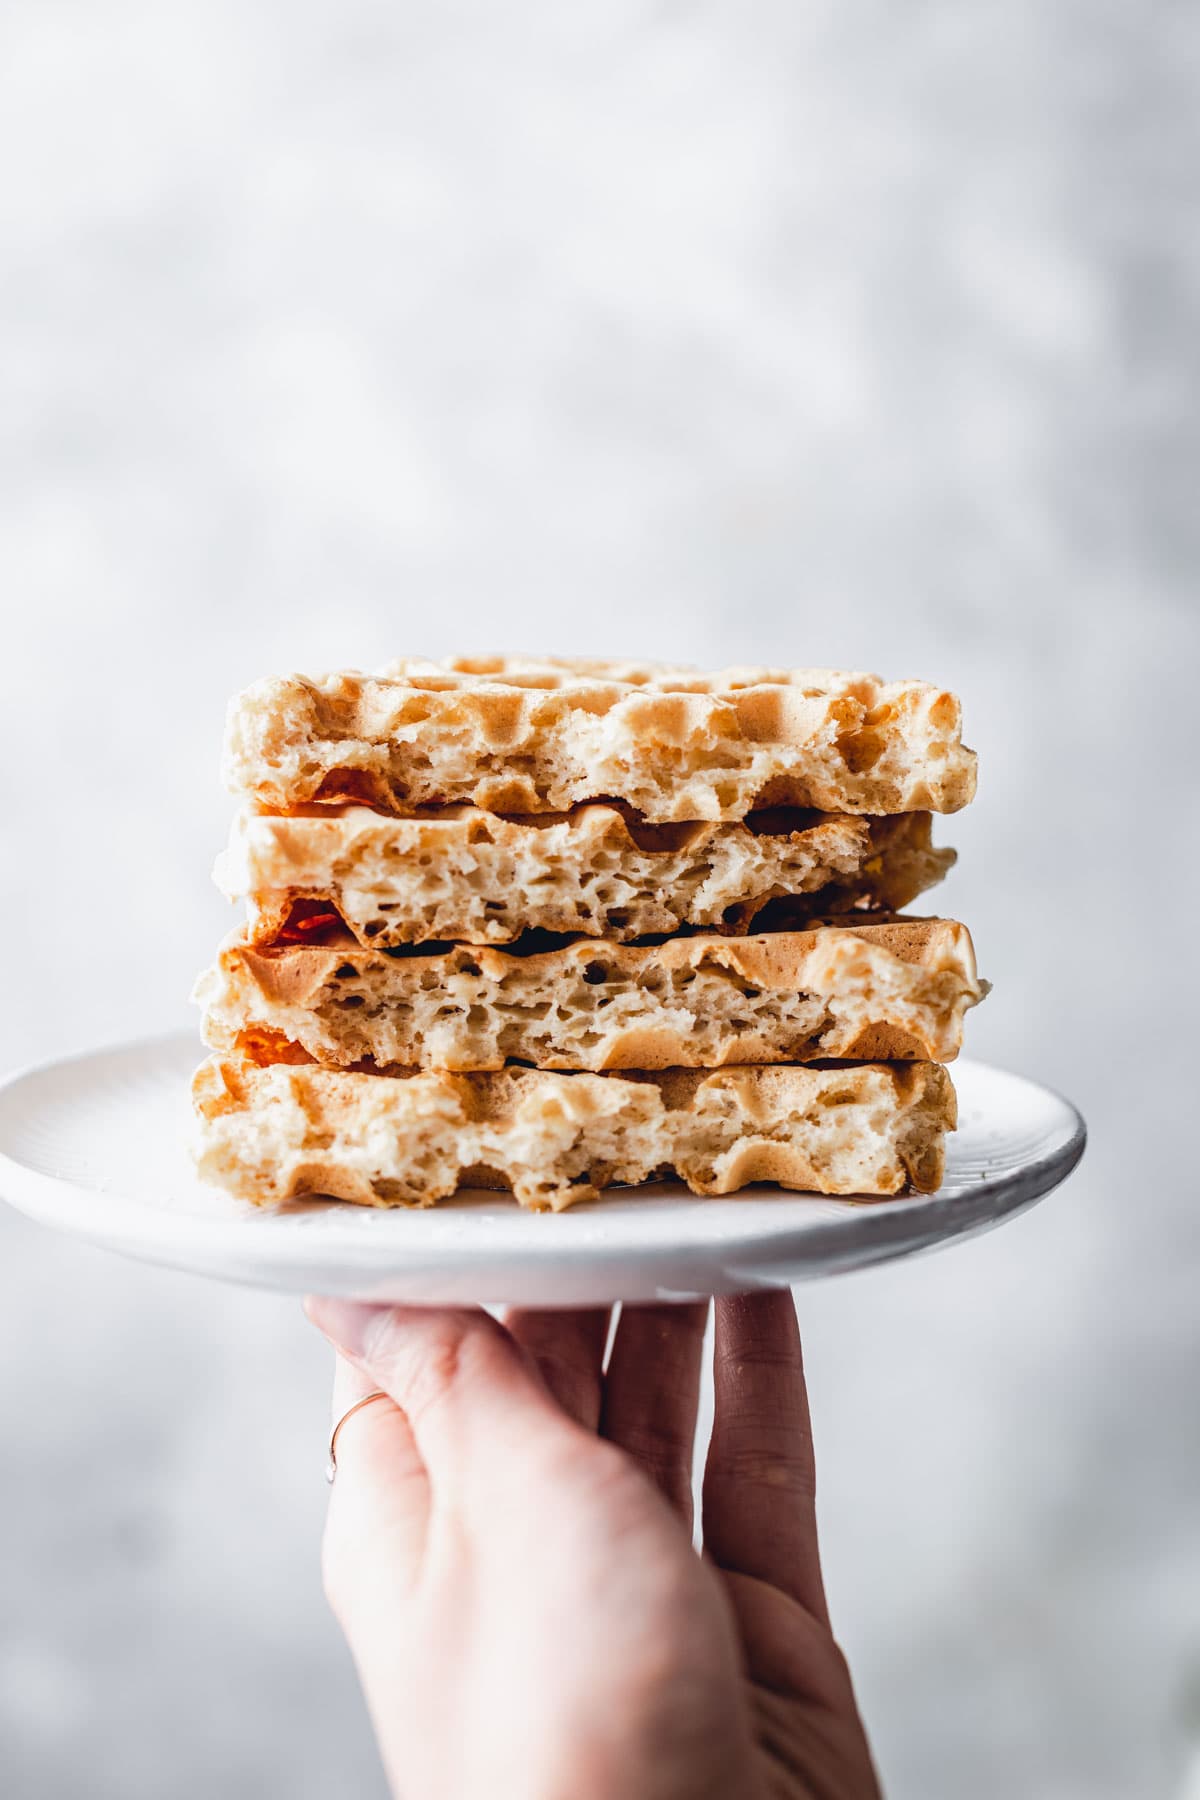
(379, 1503)
(472, 1399)
(568, 1349)
(759, 1480)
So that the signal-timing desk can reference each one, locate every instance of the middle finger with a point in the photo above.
(568, 1348)
(652, 1393)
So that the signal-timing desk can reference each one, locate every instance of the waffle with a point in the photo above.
(872, 991)
(272, 1134)
(463, 875)
(531, 737)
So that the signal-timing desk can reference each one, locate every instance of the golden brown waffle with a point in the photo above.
(872, 991)
(462, 875)
(529, 737)
(272, 1134)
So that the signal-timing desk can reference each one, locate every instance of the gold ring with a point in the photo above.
(331, 1465)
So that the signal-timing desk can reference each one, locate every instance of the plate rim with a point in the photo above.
(897, 1228)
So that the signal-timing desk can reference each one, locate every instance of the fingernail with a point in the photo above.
(346, 1323)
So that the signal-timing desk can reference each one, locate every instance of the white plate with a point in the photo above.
(98, 1146)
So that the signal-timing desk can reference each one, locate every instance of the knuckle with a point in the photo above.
(655, 1443)
(431, 1373)
(665, 1455)
(752, 1465)
(426, 1366)
(756, 1358)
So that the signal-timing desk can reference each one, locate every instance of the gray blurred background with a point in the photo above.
(836, 332)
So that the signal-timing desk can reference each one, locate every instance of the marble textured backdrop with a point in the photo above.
(838, 333)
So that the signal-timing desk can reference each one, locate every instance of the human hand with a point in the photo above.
(509, 1552)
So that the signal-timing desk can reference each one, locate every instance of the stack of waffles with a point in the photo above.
(556, 926)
